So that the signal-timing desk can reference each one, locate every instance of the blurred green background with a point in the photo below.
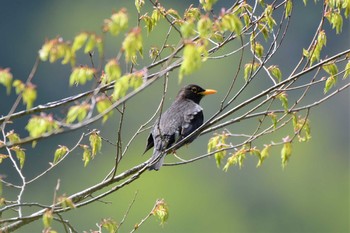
(310, 195)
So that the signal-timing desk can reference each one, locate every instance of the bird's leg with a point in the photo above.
(176, 156)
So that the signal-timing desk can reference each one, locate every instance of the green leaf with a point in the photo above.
(249, 69)
(139, 4)
(289, 7)
(47, 218)
(80, 75)
(59, 153)
(187, 29)
(131, 44)
(29, 95)
(118, 22)
(207, 4)
(276, 72)
(86, 154)
(331, 68)
(192, 60)
(38, 125)
(263, 155)
(6, 79)
(13, 137)
(79, 41)
(218, 142)
(204, 27)
(330, 82)
(18, 85)
(258, 49)
(347, 70)
(95, 143)
(44, 52)
(77, 112)
(161, 211)
(20, 154)
(90, 44)
(268, 16)
(66, 202)
(113, 71)
(286, 153)
(2, 157)
(273, 119)
(121, 86)
(284, 100)
(103, 103)
(232, 23)
(110, 225)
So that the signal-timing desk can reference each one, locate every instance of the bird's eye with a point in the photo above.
(194, 89)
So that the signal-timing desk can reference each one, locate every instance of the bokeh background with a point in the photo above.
(310, 195)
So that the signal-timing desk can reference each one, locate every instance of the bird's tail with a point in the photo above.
(156, 164)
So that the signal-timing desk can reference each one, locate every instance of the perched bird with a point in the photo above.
(182, 118)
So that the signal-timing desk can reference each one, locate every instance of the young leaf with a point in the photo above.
(77, 112)
(2, 157)
(19, 86)
(66, 202)
(273, 119)
(204, 27)
(86, 154)
(95, 143)
(110, 225)
(59, 153)
(330, 82)
(29, 95)
(47, 218)
(191, 60)
(79, 41)
(161, 211)
(20, 154)
(249, 69)
(117, 23)
(331, 68)
(258, 49)
(263, 155)
(139, 4)
(232, 23)
(80, 75)
(6, 79)
(207, 4)
(276, 72)
(232, 160)
(131, 44)
(38, 125)
(289, 7)
(121, 86)
(284, 100)
(103, 103)
(187, 28)
(13, 137)
(112, 70)
(286, 153)
(347, 68)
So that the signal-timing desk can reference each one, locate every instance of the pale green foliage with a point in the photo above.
(29, 95)
(81, 75)
(232, 23)
(59, 153)
(347, 70)
(204, 27)
(66, 202)
(112, 71)
(117, 22)
(132, 44)
(13, 137)
(139, 4)
(289, 7)
(38, 125)
(249, 69)
(332, 70)
(79, 41)
(103, 103)
(286, 153)
(47, 218)
(86, 154)
(192, 60)
(110, 225)
(6, 79)
(95, 143)
(276, 72)
(18, 85)
(284, 100)
(236, 158)
(20, 154)
(207, 4)
(77, 112)
(218, 143)
(263, 155)
(127, 81)
(161, 211)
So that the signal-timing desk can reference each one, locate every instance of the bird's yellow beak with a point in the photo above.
(208, 92)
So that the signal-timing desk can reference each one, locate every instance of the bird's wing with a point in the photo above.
(193, 118)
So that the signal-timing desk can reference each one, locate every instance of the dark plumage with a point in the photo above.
(178, 121)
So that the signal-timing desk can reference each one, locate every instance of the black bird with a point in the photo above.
(182, 118)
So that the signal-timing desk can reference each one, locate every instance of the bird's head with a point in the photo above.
(194, 93)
